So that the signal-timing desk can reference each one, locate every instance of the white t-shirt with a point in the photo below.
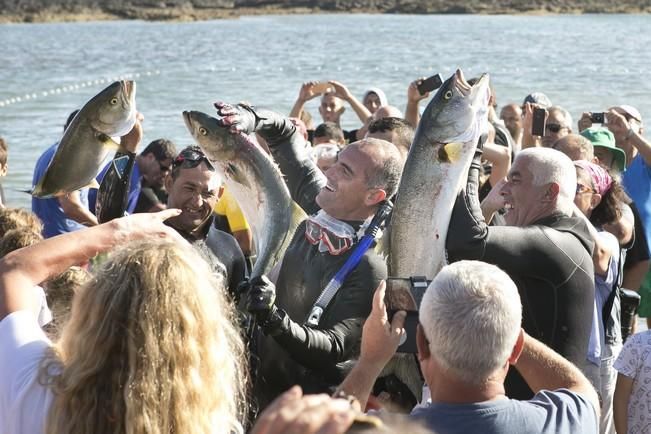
(635, 362)
(24, 403)
(43, 313)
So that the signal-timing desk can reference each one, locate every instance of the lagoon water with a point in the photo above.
(583, 62)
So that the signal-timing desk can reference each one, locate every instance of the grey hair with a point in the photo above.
(551, 166)
(387, 172)
(471, 316)
(566, 115)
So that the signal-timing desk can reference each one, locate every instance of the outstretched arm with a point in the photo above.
(288, 147)
(22, 269)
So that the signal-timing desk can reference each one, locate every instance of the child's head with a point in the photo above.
(15, 239)
(59, 292)
(18, 218)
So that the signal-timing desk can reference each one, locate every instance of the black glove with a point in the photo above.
(239, 117)
(467, 221)
(260, 297)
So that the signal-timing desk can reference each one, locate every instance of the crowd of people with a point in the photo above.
(131, 307)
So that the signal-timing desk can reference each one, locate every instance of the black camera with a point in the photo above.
(598, 118)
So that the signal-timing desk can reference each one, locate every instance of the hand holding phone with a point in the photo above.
(406, 294)
(538, 122)
(430, 84)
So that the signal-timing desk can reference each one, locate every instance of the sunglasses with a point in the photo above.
(336, 245)
(190, 158)
(554, 128)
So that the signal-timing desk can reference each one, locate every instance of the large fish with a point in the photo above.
(87, 140)
(255, 180)
(435, 171)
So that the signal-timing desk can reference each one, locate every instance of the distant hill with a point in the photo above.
(187, 10)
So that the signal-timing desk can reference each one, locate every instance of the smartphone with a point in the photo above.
(430, 84)
(322, 87)
(538, 124)
(598, 118)
(406, 294)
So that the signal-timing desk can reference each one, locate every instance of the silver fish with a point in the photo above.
(435, 171)
(256, 182)
(87, 140)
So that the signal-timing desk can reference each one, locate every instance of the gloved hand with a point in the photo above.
(260, 300)
(240, 118)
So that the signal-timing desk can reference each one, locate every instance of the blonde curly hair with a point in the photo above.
(151, 347)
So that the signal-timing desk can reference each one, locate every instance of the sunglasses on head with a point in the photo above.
(190, 158)
(554, 128)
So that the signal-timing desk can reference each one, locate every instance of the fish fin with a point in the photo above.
(298, 215)
(108, 141)
(450, 152)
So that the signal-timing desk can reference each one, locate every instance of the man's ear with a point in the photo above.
(168, 182)
(517, 348)
(552, 192)
(375, 196)
(422, 344)
(595, 200)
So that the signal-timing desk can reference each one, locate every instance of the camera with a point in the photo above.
(598, 118)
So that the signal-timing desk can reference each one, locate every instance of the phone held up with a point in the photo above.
(538, 123)
(598, 118)
(430, 84)
(406, 294)
(322, 87)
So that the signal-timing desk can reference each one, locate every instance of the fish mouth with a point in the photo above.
(461, 84)
(187, 118)
(128, 88)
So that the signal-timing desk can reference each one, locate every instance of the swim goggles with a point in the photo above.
(333, 235)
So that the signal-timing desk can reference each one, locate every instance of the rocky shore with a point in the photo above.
(192, 10)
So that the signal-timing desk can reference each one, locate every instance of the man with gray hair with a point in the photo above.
(544, 249)
(469, 334)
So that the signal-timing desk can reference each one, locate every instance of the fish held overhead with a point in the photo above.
(434, 173)
(88, 139)
(255, 180)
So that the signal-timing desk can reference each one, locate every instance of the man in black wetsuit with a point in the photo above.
(193, 187)
(366, 173)
(546, 252)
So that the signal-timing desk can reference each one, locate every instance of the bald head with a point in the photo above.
(575, 146)
(386, 111)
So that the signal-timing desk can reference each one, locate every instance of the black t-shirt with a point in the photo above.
(149, 197)
(639, 251)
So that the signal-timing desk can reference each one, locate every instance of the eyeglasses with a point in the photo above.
(190, 158)
(580, 189)
(554, 128)
(336, 245)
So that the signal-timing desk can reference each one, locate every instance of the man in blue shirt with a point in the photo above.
(469, 334)
(64, 213)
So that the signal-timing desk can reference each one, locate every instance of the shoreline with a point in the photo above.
(189, 13)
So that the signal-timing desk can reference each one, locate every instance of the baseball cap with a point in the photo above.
(630, 110)
(538, 98)
(602, 137)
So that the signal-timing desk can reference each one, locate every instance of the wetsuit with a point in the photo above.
(316, 358)
(219, 249)
(550, 261)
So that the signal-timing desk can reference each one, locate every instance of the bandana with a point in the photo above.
(601, 180)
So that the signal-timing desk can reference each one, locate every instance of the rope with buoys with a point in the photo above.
(72, 87)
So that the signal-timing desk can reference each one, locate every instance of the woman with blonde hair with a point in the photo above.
(150, 346)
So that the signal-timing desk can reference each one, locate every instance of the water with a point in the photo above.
(586, 62)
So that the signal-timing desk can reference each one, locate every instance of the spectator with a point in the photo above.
(153, 308)
(469, 334)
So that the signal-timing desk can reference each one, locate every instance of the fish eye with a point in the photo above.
(447, 94)
(114, 101)
(203, 131)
